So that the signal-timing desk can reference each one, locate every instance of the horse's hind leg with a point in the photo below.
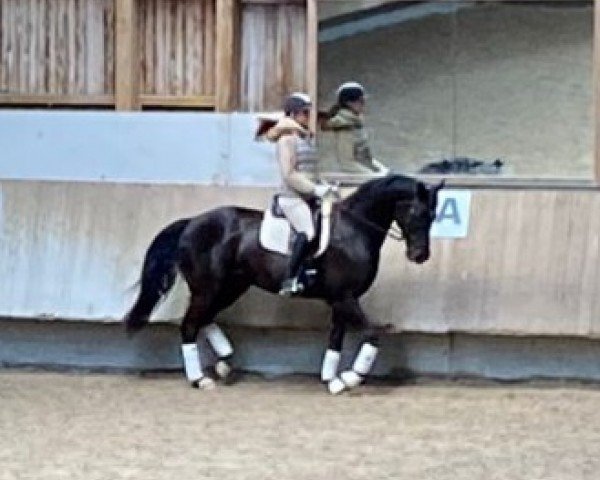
(215, 337)
(222, 347)
(204, 306)
(198, 315)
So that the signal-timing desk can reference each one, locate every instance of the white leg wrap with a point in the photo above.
(191, 361)
(351, 378)
(336, 386)
(222, 368)
(330, 365)
(365, 359)
(218, 341)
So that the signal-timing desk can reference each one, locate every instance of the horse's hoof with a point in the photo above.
(336, 386)
(351, 379)
(222, 369)
(205, 383)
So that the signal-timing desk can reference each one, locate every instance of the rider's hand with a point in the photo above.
(322, 190)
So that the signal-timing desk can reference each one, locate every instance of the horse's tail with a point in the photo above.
(158, 274)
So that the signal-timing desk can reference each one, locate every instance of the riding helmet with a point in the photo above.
(350, 92)
(296, 102)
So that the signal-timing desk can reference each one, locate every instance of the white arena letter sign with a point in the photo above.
(453, 212)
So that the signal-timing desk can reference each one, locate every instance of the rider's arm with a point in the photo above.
(337, 122)
(286, 154)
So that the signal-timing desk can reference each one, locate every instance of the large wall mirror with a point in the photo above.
(497, 88)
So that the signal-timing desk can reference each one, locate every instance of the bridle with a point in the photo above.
(393, 232)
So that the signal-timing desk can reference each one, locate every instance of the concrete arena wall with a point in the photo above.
(276, 351)
(82, 195)
(134, 147)
(528, 266)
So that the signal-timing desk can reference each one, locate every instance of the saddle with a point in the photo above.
(277, 234)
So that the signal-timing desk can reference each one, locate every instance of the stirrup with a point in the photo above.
(291, 286)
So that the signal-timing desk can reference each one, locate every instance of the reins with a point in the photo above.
(392, 232)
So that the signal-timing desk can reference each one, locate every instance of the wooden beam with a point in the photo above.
(226, 70)
(312, 55)
(274, 2)
(596, 63)
(56, 99)
(126, 55)
(190, 101)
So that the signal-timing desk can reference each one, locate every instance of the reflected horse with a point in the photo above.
(219, 256)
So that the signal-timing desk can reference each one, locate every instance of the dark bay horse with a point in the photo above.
(219, 257)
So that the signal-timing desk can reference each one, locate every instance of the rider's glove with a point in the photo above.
(322, 190)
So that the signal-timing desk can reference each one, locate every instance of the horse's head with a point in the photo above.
(414, 217)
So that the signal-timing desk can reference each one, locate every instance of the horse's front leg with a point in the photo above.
(331, 359)
(352, 313)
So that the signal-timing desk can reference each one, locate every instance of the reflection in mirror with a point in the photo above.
(486, 88)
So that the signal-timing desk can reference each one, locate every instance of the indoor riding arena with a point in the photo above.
(119, 117)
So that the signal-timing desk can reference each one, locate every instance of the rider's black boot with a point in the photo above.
(292, 285)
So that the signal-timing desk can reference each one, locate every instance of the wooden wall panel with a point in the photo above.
(273, 54)
(596, 80)
(177, 47)
(312, 56)
(63, 52)
(126, 56)
(226, 50)
(56, 47)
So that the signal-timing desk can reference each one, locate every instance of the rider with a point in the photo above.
(298, 162)
(346, 120)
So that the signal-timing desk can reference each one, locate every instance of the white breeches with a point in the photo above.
(299, 215)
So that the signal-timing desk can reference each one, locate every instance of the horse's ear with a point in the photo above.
(440, 185)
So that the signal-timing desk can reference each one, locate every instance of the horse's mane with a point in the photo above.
(391, 185)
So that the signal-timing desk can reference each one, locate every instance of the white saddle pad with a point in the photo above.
(276, 234)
